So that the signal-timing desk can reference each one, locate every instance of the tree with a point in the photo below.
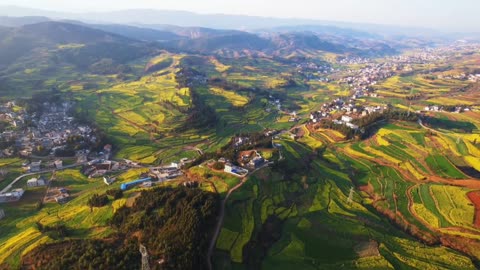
(97, 200)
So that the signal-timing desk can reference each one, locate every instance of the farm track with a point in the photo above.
(133, 124)
(411, 209)
(221, 217)
(40, 172)
(218, 228)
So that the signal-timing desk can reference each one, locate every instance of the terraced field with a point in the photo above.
(20, 233)
(318, 223)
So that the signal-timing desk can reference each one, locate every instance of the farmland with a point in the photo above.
(405, 196)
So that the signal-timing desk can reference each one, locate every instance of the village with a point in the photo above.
(51, 133)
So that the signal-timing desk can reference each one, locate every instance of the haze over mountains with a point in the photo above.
(152, 18)
(110, 39)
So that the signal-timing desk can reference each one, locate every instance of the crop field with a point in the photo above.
(19, 232)
(235, 99)
(361, 203)
(320, 224)
(404, 187)
(442, 166)
(432, 90)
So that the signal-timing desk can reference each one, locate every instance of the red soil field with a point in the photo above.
(474, 196)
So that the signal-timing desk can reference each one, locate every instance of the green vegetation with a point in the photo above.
(392, 195)
(177, 236)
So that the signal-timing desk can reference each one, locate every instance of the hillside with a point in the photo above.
(138, 33)
(20, 41)
(192, 32)
(256, 150)
(19, 21)
(236, 42)
(305, 41)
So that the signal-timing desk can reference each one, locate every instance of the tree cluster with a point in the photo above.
(56, 231)
(98, 200)
(368, 125)
(115, 193)
(174, 224)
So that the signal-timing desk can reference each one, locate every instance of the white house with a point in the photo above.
(228, 168)
(34, 182)
(352, 126)
(58, 164)
(35, 166)
(347, 119)
(16, 193)
(2, 214)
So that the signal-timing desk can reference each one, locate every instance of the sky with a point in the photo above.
(452, 15)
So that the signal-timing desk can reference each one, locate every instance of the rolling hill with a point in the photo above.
(19, 21)
(96, 44)
(138, 33)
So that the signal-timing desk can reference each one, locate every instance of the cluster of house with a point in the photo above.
(251, 159)
(460, 76)
(36, 182)
(294, 117)
(36, 166)
(312, 71)
(438, 108)
(165, 173)
(354, 60)
(274, 103)
(193, 78)
(155, 176)
(474, 77)
(11, 114)
(57, 194)
(422, 56)
(310, 66)
(239, 141)
(346, 120)
(248, 160)
(361, 81)
(12, 196)
(51, 130)
(100, 167)
(339, 105)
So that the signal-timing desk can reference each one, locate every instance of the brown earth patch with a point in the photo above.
(367, 249)
(474, 196)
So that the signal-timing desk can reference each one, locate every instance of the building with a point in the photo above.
(228, 168)
(2, 213)
(35, 166)
(34, 182)
(352, 126)
(237, 171)
(62, 198)
(347, 119)
(58, 164)
(12, 196)
(256, 162)
(18, 192)
(147, 184)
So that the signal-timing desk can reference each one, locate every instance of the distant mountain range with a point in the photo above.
(203, 40)
(141, 17)
(44, 40)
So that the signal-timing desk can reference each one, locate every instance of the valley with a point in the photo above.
(251, 151)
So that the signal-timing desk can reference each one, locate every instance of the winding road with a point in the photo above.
(218, 228)
(7, 188)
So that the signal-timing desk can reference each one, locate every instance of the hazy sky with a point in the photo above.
(461, 15)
